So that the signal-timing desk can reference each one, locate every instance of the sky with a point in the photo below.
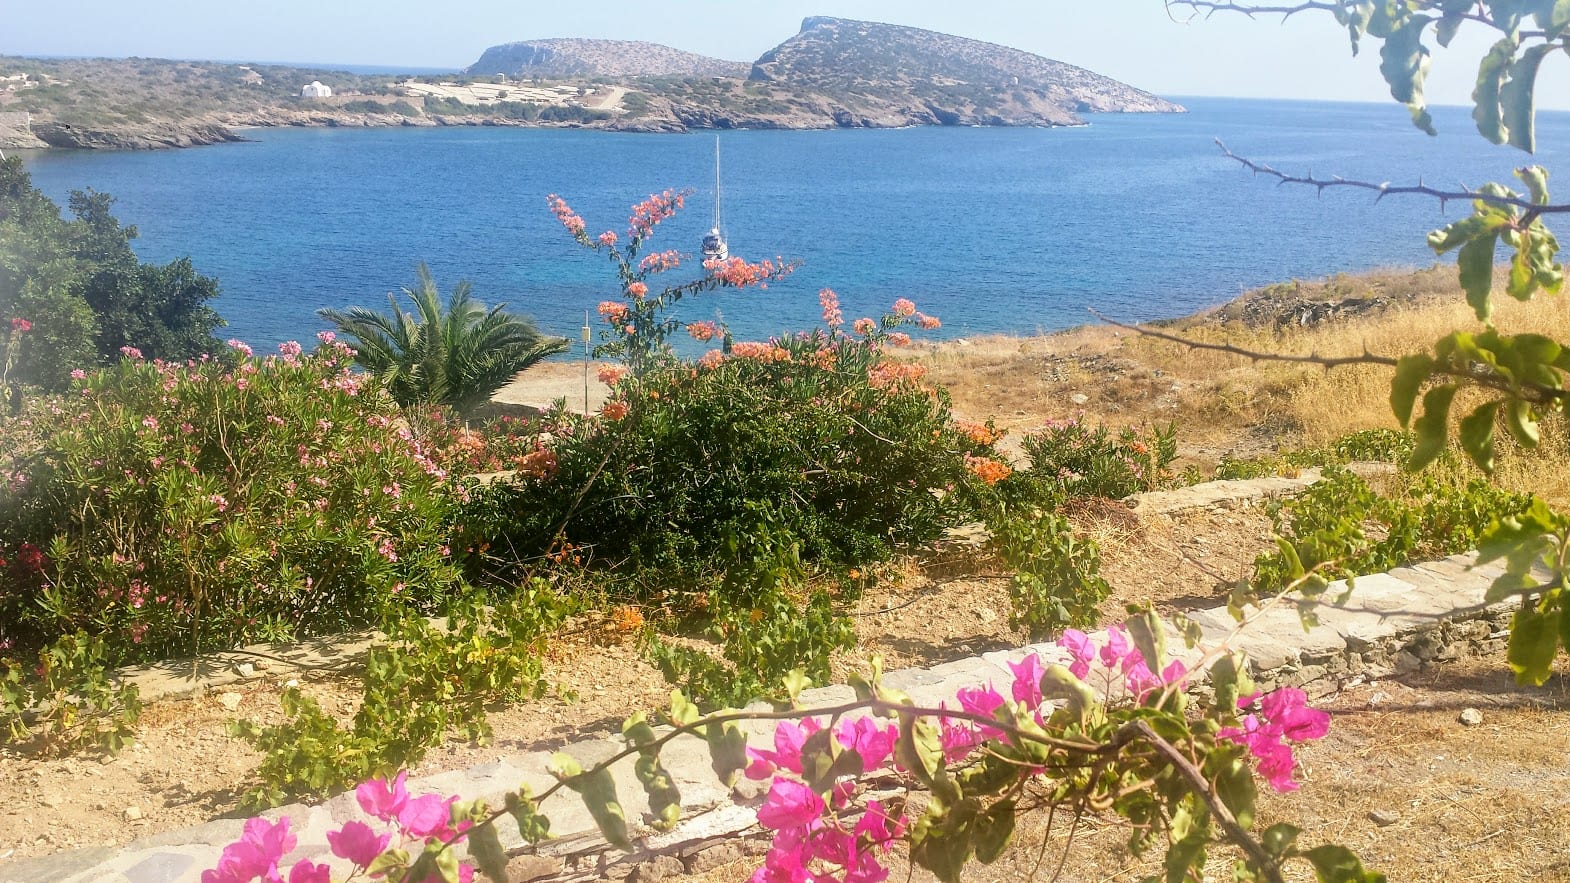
(1136, 41)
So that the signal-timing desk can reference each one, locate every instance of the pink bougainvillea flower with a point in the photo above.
(356, 842)
(867, 738)
(981, 701)
(382, 799)
(790, 804)
(21, 326)
(958, 738)
(1027, 680)
(1077, 643)
(425, 815)
(307, 871)
(256, 854)
(1288, 708)
(789, 736)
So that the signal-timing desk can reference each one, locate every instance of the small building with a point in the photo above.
(316, 90)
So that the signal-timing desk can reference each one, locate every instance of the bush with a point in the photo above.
(1090, 462)
(855, 454)
(1343, 526)
(175, 508)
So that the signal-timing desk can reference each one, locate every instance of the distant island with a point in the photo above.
(834, 73)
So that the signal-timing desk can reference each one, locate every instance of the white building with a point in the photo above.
(316, 90)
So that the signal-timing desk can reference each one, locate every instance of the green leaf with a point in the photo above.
(1476, 262)
(683, 712)
(532, 826)
(1534, 642)
(598, 790)
(1337, 864)
(664, 796)
(919, 748)
(795, 682)
(1150, 636)
(485, 847)
(727, 751)
(1278, 838)
(1477, 435)
(1404, 64)
(1552, 16)
(1536, 180)
(993, 830)
(1517, 98)
(1235, 785)
(389, 864)
(1410, 373)
(1229, 676)
(1491, 75)
(1432, 426)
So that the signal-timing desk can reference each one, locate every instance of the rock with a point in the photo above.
(1471, 717)
(230, 701)
(656, 869)
(1079, 398)
(524, 868)
(716, 856)
(50, 800)
(133, 813)
(245, 670)
(1384, 818)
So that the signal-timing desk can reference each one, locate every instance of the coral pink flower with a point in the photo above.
(613, 310)
(830, 302)
(638, 290)
(712, 359)
(21, 326)
(864, 326)
(608, 238)
(704, 330)
(610, 374)
(903, 308)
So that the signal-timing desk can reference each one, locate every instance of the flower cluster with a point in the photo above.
(21, 326)
(812, 834)
(565, 215)
(988, 469)
(1283, 717)
(647, 214)
(429, 818)
(832, 317)
(738, 273)
(1120, 658)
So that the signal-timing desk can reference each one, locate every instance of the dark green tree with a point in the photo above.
(454, 353)
(84, 290)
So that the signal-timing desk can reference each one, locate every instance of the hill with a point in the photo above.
(610, 59)
(980, 82)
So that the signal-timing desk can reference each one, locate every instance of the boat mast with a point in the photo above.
(716, 183)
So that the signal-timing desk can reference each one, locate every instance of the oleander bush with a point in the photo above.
(1092, 461)
(179, 507)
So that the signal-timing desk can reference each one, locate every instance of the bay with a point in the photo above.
(992, 230)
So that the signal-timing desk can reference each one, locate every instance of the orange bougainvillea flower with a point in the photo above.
(987, 469)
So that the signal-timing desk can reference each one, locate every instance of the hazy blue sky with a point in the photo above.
(1132, 40)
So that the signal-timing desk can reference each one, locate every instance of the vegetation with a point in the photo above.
(82, 291)
(456, 353)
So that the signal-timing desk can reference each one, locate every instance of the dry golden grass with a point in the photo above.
(1225, 403)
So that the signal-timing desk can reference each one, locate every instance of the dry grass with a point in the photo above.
(1225, 403)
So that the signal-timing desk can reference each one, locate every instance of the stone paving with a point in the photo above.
(1388, 623)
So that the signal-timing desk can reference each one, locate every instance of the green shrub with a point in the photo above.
(175, 508)
(66, 701)
(856, 454)
(1057, 576)
(1342, 524)
(1090, 462)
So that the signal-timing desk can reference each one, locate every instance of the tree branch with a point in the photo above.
(1531, 210)
(1535, 393)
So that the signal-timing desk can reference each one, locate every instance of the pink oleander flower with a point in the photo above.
(864, 326)
(290, 348)
(903, 308)
(239, 346)
(131, 352)
(21, 326)
(790, 804)
(78, 374)
(326, 336)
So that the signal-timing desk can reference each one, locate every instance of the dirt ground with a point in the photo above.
(1473, 803)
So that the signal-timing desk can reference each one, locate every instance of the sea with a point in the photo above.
(1013, 230)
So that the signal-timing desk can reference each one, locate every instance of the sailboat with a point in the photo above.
(714, 246)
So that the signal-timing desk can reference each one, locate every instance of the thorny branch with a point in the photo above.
(1530, 210)
(1206, 9)
(1535, 393)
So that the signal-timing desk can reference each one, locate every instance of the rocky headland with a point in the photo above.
(834, 73)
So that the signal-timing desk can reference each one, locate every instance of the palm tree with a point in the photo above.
(455, 354)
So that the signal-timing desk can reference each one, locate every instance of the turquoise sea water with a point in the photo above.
(1016, 230)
